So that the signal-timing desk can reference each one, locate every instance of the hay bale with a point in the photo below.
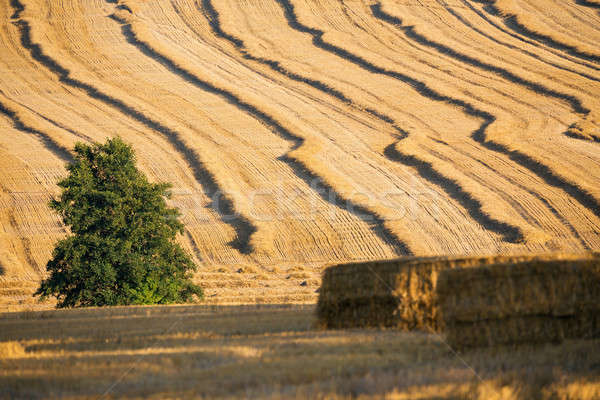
(530, 302)
(397, 293)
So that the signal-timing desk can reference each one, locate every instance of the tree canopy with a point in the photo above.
(122, 248)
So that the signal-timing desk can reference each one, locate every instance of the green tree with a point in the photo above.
(122, 247)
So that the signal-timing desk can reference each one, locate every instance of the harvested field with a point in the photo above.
(309, 132)
(270, 352)
(300, 134)
(534, 302)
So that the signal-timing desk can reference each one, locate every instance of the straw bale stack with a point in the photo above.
(396, 293)
(531, 302)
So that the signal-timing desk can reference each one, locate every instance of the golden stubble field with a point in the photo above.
(269, 351)
(303, 133)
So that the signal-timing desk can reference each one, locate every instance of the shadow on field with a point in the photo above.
(263, 351)
(315, 364)
(143, 324)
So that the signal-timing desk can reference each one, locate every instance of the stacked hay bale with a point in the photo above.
(533, 302)
(397, 293)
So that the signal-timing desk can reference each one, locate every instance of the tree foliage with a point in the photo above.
(122, 247)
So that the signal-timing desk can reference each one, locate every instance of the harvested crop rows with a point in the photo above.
(302, 133)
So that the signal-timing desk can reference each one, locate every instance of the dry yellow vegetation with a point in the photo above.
(267, 352)
(299, 134)
(309, 132)
(537, 301)
(404, 293)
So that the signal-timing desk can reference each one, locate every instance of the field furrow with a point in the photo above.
(410, 32)
(426, 90)
(497, 23)
(518, 18)
(584, 191)
(255, 189)
(27, 184)
(18, 120)
(394, 132)
(301, 169)
(241, 224)
(93, 121)
(425, 170)
(499, 122)
(588, 3)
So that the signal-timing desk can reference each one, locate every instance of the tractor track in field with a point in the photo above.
(325, 190)
(586, 3)
(444, 50)
(512, 22)
(479, 135)
(57, 149)
(472, 27)
(426, 170)
(241, 225)
(529, 41)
